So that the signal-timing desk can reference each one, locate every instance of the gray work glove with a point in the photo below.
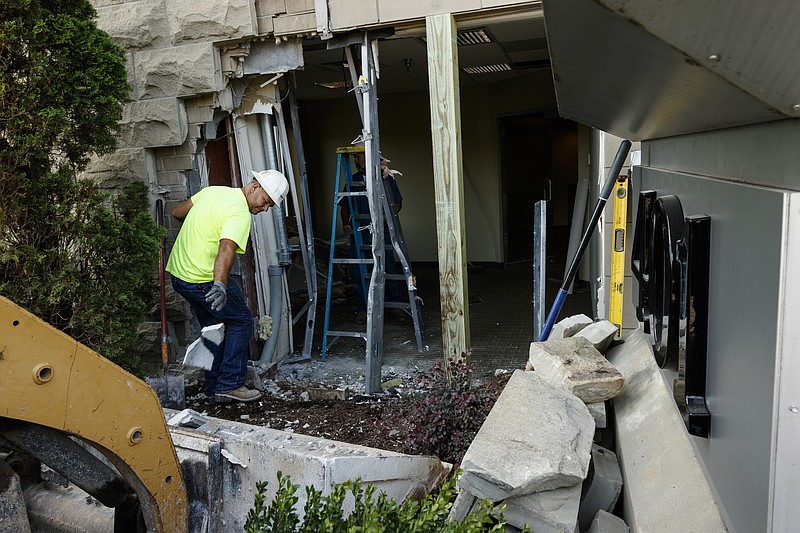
(217, 296)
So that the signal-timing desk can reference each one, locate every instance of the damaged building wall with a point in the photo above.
(180, 57)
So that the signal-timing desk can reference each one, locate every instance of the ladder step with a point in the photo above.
(349, 261)
(354, 334)
(396, 305)
(353, 193)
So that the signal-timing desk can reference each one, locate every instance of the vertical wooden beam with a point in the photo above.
(448, 182)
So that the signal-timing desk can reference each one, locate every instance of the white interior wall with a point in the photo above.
(406, 141)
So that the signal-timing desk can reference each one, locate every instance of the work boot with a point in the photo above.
(242, 394)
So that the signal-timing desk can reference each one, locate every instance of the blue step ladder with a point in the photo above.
(351, 190)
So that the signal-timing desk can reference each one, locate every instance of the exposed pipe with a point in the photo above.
(278, 215)
(275, 304)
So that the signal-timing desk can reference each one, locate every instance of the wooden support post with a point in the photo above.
(449, 182)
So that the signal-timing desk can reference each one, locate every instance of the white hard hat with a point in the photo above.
(274, 183)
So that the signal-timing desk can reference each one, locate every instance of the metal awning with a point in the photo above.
(644, 69)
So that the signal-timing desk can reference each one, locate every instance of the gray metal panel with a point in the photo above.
(786, 473)
(751, 44)
(746, 264)
(614, 75)
(764, 154)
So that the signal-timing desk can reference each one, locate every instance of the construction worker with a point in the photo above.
(216, 226)
(362, 206)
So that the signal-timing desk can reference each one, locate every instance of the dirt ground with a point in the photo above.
(354, 421)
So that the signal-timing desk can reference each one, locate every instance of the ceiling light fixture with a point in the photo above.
(488, 69)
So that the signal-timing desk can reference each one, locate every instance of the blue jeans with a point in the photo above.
(229, 370)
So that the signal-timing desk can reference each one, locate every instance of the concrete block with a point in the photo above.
(190, 20)
(153, 123)
(569, 326)
(299, 6)
(294, 24)
(604, 489)
(598, 412)
(237, 456)
(662, 476)
(201, 460)
(608, 523)
(13, 516)
(270, 7)
(135, 25)
(600, 334)
(574, 365)
(551, 511)
(177, 71)
(548, 427)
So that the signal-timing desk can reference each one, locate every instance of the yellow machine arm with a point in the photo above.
(50, 379)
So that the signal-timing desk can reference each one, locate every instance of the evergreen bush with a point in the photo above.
(79, 258)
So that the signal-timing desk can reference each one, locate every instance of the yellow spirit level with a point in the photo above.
(615, 301)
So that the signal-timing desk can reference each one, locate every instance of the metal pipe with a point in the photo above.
(539, 265)
(278, 215)
(275, 303)
(616, 167)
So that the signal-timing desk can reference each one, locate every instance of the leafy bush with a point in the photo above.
(443, 417)
(76, 257)
(324, 514)
(84, 263)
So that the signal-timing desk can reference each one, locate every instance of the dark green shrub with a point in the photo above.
(324, 514)
(443, 417)
(76, 257)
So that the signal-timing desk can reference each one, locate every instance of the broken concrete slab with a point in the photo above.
(608, 523)
(547, 426)
(662, 474)
(601, 334)
(569, 326)
(230, 457)
(604, 489)
(598, 411)
(550, 511)
(462, 506)
(575, 365)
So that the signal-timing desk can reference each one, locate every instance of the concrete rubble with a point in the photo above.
(608, 523)
(13, 516)
(576, 366)
(601, 334)
(531, 419)
(569, 326)
(604, 489)
(530, 454)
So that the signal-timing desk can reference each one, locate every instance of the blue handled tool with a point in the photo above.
(569, 277)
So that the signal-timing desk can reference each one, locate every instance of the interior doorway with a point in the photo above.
(538, 161)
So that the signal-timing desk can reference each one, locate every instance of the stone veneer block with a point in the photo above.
(537, 437)
(343, 16)
(550, 511)
(569, 326)
(190, 20)
(115, 170)
(600, 334)
(576, 366)
(177, 71)
(135, 25)
(153, 123)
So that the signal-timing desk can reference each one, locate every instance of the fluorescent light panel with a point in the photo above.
(488, 69)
